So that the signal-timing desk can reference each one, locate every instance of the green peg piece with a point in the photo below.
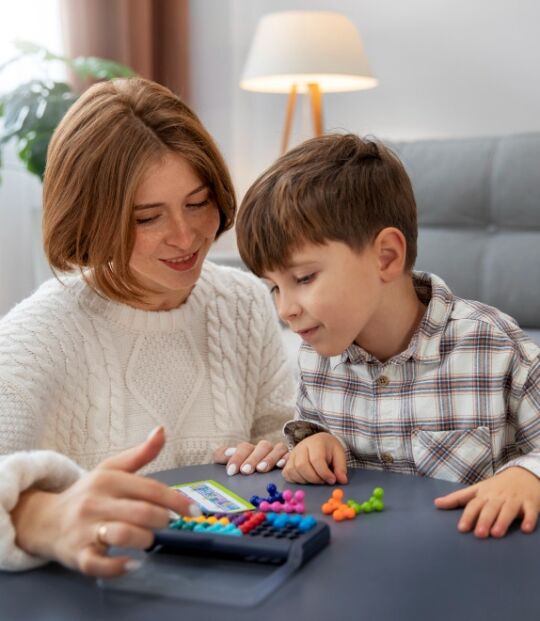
(378, 492)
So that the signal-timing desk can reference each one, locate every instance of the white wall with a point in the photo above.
(446, 68)
(20, 197)
(22, 265)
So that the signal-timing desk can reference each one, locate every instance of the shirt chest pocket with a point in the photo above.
(464, 455)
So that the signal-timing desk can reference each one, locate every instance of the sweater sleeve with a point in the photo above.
(20, 427)
(276, 389)
(28, 366)
(21, 471)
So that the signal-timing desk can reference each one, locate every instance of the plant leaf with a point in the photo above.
(100, 68)
(33, 152)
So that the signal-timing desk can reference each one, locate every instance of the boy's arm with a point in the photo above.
(514, 491)
(308, 420)
(524, 407)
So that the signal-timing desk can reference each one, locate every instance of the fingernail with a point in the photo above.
(194, 510)
(132, 565)
(230, 451)
(232, 470)
(281, 463)
(262, 466)
(155, 431)
(173, 515)
(247, 468)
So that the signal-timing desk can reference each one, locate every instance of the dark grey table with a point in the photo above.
(407, 563)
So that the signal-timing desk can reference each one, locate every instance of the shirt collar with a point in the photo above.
(426, 342)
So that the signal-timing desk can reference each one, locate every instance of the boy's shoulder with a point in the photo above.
(489, 327)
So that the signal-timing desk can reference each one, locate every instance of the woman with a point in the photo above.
(146, 334)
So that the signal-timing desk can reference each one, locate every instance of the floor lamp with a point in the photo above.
(310, 52)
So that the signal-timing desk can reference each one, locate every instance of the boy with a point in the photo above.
(396, 373)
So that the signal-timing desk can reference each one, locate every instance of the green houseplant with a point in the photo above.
(30, 113)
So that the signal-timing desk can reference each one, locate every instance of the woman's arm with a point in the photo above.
(110, 505)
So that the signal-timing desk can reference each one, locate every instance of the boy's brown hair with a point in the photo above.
(96, 160)
(332, 188)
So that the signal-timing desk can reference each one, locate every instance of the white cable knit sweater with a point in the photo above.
(87, 377)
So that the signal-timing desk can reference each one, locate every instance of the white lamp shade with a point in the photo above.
(302, 47)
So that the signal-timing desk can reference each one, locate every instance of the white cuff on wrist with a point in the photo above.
(45, 470)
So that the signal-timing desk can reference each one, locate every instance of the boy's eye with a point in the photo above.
(304, 280)
(274, 289)
(146, 220)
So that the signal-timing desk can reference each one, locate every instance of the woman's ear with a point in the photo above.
(391, 248)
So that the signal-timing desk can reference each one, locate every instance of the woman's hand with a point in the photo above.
(492, 505)
(110, 505)
(248, 458)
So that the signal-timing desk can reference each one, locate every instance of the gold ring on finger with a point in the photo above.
(101, 535)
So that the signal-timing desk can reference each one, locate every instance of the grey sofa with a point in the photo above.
(479, 218)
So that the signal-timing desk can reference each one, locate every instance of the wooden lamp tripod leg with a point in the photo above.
(316, 108)
(291, 104)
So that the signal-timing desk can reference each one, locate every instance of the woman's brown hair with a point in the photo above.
(331, 188)
(97, 158)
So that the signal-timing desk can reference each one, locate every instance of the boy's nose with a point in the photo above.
(287, 309)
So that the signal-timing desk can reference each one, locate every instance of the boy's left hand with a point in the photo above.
(492, 505)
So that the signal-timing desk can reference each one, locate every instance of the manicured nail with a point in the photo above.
(132, 565)
(281, 463)
(262, 466)
(230, 451)
(232, 470)
(173, 515)
(155, 431)
(247, 468)
(194, 510)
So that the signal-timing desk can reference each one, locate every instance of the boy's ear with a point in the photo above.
(391, 249)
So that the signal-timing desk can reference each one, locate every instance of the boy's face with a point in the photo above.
(329, 295)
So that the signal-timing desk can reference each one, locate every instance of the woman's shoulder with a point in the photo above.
(55, 298)
(232, 279)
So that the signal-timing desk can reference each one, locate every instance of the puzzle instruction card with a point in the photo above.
(212, 497)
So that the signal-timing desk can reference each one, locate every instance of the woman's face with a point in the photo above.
(176, 221)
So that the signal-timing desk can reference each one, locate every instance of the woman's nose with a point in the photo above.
(181, 234)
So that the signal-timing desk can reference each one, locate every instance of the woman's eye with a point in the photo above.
(146, 220)
(198, 205)
(304, 280)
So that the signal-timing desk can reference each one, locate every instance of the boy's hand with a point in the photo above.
(492, 505)
(248, 458)
(317, 459)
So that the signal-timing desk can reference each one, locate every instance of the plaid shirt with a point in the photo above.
(461, 402)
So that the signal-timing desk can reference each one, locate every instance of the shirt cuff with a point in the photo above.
(530, 462)
(44, 470)
(297, 430)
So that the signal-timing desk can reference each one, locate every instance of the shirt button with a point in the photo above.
(387, 458)
(382, 380)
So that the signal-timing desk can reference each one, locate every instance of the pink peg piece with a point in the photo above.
(264, 505)
(287, 495)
